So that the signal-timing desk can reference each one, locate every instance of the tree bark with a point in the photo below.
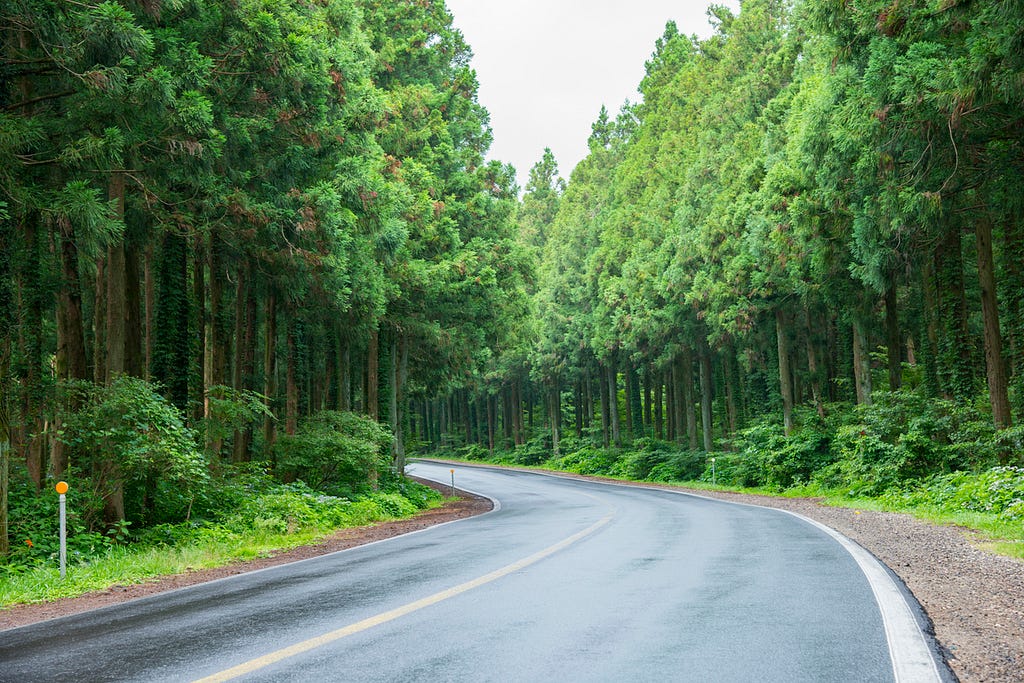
(402, 378)
(861, 364)
(689, 410)
(99, 322)
(658, 415)
(198, 331)
(393, 394)
(605, 410)
(894, 345)
(994, 365)
(613, 402)
(555, 416)
(270, 372)
(344, 360)
(812, 365)
(372, 378)
(291, 401)
(785, 373)
(706, 395)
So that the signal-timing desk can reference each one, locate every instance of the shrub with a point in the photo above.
(131, 426)
(337, 451)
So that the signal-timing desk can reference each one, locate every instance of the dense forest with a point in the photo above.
(227, 228)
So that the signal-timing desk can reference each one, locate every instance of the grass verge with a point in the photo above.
(209, 547)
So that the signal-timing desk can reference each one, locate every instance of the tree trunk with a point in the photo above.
(956, 346)
(198, 331)
(706, 395)
(658, 415)
(402, 378)
(71, 356)
(994, 366)
(785, 374)
(8, 318)
(517, 416)
(648, 414)
(861, 364)
(393, 393)
(605, 409)
(490, 423)
(72, 337)
(673, 407)
(613, 402)
(731, 412)
(634, 401)
(372, 378)
(150, 299)
(109, 475)
(555, 418)
(344, 360)
(270, 373)
(688, 402)
(133, 354)
(5, 415)
(894, 345)
(812, 365)
(99, 322)
(245, 352)
(291, 401)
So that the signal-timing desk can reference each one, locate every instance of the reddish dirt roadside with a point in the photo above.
(467, 505)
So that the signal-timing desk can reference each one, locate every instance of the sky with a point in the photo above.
(545, 67)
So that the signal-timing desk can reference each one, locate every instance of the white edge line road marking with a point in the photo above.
(327, 638)
(912, 659)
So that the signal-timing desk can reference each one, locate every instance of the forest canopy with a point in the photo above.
(227, 227)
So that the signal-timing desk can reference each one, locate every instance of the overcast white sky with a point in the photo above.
(546, 66)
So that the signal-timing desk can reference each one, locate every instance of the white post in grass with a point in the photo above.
(62, 488)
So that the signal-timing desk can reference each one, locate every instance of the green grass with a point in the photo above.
(125, 565)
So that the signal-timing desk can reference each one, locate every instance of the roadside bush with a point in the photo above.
(998, 491)
(588, 460)
(335, 451)
(130, 425)
(33, 523)
(771, 459)
(473, 451)
(678, 466)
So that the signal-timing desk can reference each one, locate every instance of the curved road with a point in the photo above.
(565, 580)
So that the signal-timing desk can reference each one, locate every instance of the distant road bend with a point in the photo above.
(565, 581)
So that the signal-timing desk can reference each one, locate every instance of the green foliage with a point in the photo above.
(771, 459)
(998, 491)
(334, 451)
(34, 524)
(587, 460)
(131, 424)
(230, 409)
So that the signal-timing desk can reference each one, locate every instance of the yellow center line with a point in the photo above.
(319, 641)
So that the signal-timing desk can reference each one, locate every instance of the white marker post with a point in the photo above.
(453, 482)
(62, 488)
(714, 479)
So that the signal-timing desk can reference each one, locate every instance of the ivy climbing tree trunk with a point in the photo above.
(785, 373)
(270, 372)
(994, 366)
(613, 402)
(893, 341)
(706, 396)
(861, 363)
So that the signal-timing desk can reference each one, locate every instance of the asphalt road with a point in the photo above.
(564, 581)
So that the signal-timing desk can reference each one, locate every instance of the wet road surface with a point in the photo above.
(564, 581)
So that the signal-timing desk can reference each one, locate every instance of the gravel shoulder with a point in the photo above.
(975, 599)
